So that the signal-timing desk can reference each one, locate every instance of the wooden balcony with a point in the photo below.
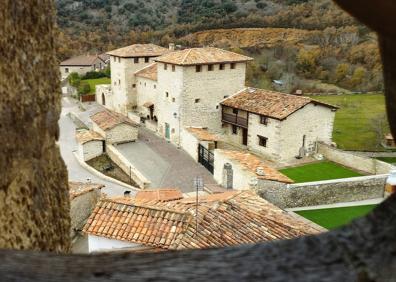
(235, 120)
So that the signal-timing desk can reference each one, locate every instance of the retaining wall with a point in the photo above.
(325, 192)
(127, 167)
(353, 160)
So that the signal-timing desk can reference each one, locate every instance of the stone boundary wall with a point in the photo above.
(127, 167)
(325, 192)
(77, 121)
(353, 160)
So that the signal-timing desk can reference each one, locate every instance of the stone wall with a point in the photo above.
(90, 150)
(104, 91)
(354, 161)
(189, 143)
(147, 91)
(325, 192)
(81, 208)
(127, 167)
(122, 133)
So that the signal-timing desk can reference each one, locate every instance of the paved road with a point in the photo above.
(68, 144)
(162, 163)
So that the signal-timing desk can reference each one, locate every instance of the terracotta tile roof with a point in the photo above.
(79, 188)
(197, 56)
(83, 60)
(85, 136)
(162, 195)
(104, 57)
(202, 134)
(139, 50)
(269, 103)
(108, 119)
(231, 218)
(251, 163)
(149, 72)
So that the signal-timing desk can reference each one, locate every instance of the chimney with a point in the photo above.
(172, 46)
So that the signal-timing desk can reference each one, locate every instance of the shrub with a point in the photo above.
(83, 88)
(94, 74)
(74, 79)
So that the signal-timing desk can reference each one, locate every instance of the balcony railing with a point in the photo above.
(234, 119)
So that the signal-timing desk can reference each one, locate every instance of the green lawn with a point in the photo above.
(354, 127)
(318, 171)
(335, 217)
(389, 160)
(93, 82)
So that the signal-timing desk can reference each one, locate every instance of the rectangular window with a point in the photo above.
(134, 85)
(264, 120)
(66, 70)
(146, 59)
(119, 59)
(232, 66)
(210, 67)
(221, 66)
(155, 86)
(197, 101)
(166, 94)
(145, 84)
(173, 100)
(198, 68)
(114, 59)
(234, 130)
(119, 82)
(136, 60)
(173, 68)
(235, 111)
(165, 66)
(262, 141)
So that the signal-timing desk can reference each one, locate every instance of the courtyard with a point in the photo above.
(318, 171)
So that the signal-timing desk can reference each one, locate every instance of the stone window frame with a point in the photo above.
(262, 141)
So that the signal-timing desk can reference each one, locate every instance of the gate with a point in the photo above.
(206, 158)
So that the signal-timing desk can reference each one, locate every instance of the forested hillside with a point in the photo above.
(308, 44)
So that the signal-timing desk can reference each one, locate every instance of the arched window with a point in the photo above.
(103, 99)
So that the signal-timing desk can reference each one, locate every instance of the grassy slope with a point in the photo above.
(353, 129)
(93, 82)
(318, 171)
(390, 160)
(335, 217)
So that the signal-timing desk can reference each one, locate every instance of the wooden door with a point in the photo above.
(244, 136)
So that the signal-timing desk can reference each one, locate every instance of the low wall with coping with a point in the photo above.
(127, 167)
(325, 192)
(354, 160)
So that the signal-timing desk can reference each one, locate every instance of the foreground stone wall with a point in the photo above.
(325, 192)
(34, 194)
(354, 161)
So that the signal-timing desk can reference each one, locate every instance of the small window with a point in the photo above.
(197, 101)
(119, 82)
(136, 60)
(264, 120)
(119, 59)
(217, 107)
(210, 67)
(198, 68)
(173, 68)
(234, 129)
(226, 96)
(140, 83)
(221, 66)
(155, 86)
(232, 66)
(173, 100)
(166, 94)
(66, 70)
(262, 141)
(134, 85)
(114, 59)
(173, 130)
(165, 66)
(145, 84)
(146, 59)
(235, 111)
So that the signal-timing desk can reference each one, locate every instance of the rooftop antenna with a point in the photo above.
(198, 184)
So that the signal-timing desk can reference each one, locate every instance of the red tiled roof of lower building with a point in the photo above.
(107, 119)
(202, 134)
(149, 72)
(85, 136)
(77, 189)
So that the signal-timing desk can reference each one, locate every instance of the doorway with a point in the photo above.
(244, 136)
(103, 100)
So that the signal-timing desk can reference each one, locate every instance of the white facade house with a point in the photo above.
(114, 127)
(276, 125)
(241, 171)
(90, 144)
(124, 62)
(81, 65)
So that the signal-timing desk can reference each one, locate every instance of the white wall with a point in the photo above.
(90, 150)
(147, 91)
(102, 244)
(241, 176)
(122, 133)
(189, 143)
(104, 89)
(81, 70)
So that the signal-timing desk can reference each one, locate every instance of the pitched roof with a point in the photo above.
(107, 119)
(162, 195)
(79, 188)
(269, 103)
(149, 72)
(252, 163)
(83, 60)
(206, 55)
(225, 219)
(139, 50)
(85, 136)
(202, 134)
(104, 57)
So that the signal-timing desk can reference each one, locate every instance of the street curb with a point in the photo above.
(101, 175)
